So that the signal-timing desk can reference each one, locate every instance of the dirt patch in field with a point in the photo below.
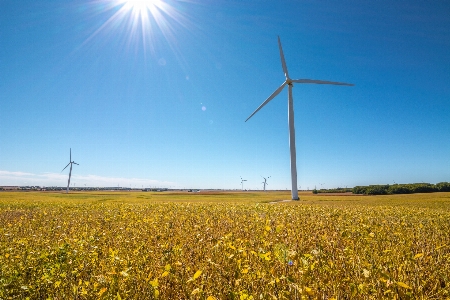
(279, 201)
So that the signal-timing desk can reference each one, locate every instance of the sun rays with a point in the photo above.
(139, 24)
(141, 4)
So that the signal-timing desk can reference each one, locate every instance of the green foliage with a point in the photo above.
(443, 186)
(409, 188)
(334, 191)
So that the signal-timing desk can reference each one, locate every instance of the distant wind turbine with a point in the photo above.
(70, 172)
(242, 182)
(289, 82)
(265, 182)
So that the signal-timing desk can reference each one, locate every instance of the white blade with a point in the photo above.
(321, 82)
(75, 163)
(70, 154)
(268, 99)
(65, 167)
(283, 62)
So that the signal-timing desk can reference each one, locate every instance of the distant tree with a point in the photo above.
(399, 189)
(359, 190)
(443, 186)
(377, 190)
(421, 188)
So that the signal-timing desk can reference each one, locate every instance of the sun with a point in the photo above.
(141, 26)
(142, 5)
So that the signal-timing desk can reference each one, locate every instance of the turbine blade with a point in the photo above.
(76, 163)
(65, 167)
(321, 82)
(283, 62)
(70, 154)
(268, 99)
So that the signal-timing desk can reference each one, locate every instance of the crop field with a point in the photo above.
(211, 245)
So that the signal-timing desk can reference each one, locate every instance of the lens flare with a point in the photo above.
(140, 23)
(141, 4)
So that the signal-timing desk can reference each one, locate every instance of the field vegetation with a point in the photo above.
(145, 245)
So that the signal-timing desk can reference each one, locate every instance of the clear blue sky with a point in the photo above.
(161, 99)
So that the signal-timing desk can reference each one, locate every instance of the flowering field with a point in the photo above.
(141, 245)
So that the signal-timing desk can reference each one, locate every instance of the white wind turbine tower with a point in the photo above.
(289, 82)
(242, 183)
(70, 172)
(265, 182)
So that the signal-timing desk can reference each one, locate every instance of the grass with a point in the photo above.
(213, 245)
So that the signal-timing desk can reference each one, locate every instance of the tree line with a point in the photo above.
(409, 188)
(338, 190)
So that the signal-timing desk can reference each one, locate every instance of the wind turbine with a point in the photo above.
(265, 182)
(70, 172)
(290, 82)
(242, 182)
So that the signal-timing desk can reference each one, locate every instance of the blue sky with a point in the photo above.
(161, 100)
